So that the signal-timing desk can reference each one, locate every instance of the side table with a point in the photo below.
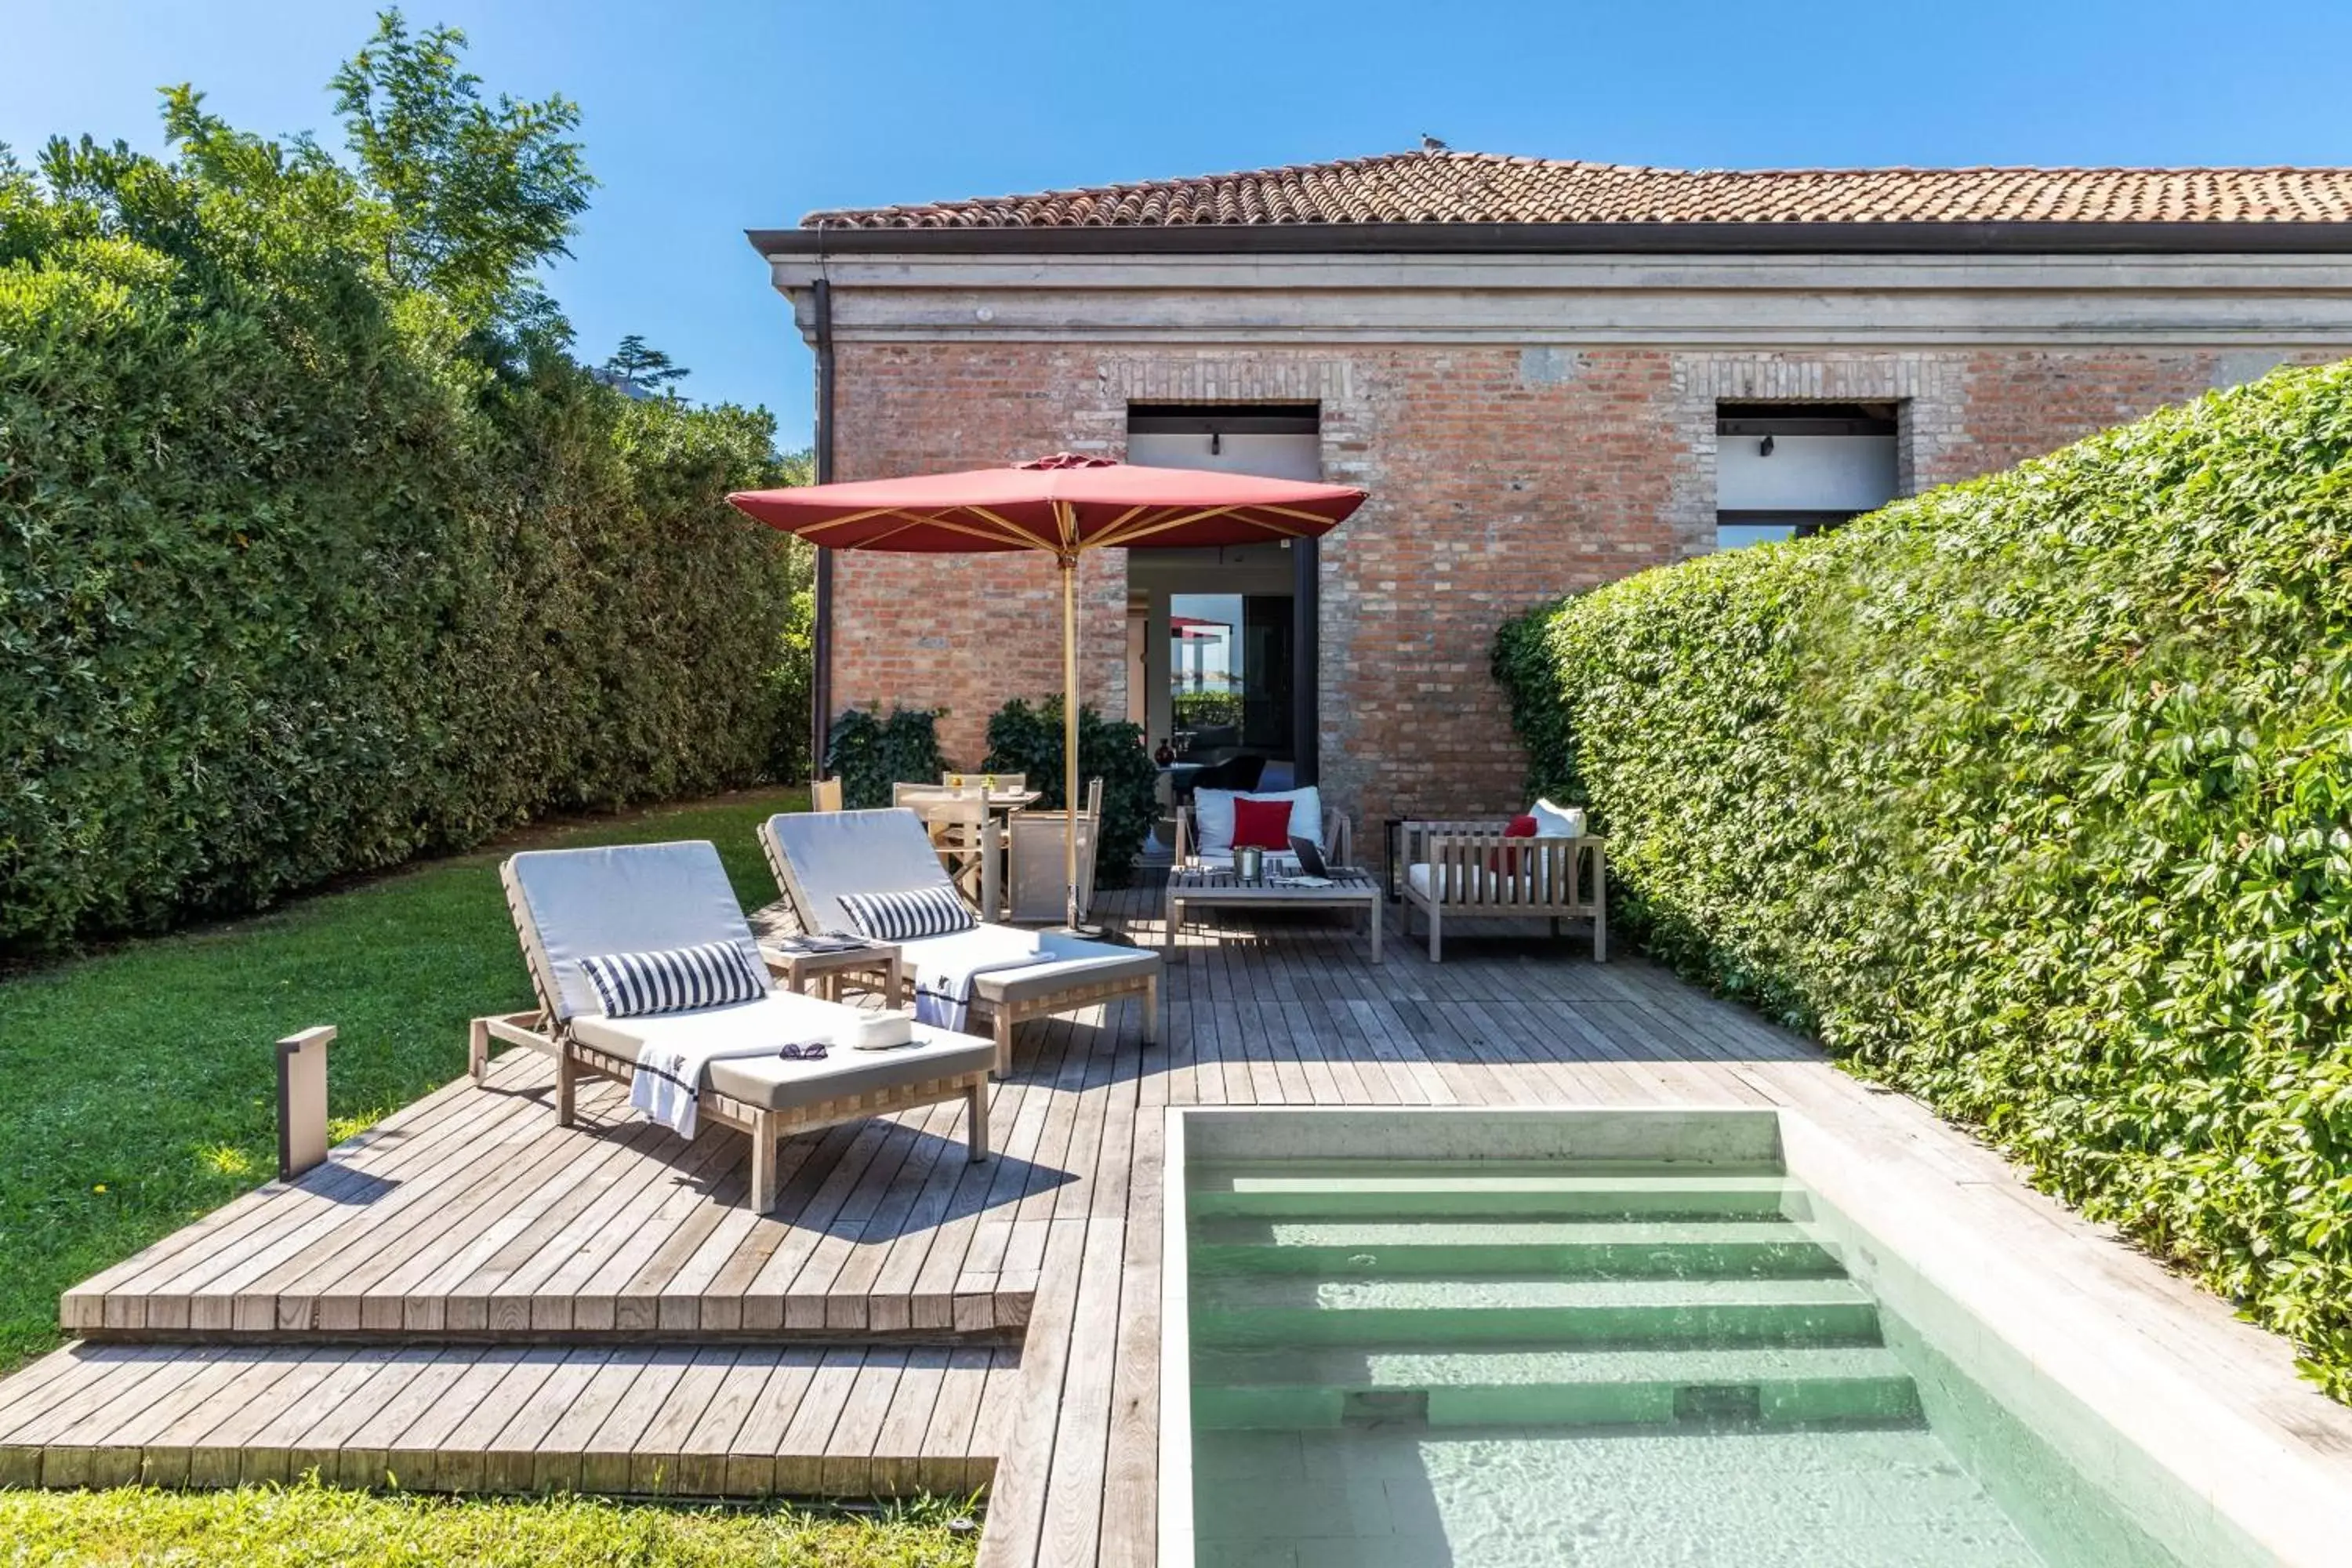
(876, 962)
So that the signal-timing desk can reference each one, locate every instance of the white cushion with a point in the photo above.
(1458, 887)
(626, 898)
(1557, 821)
(783, 1018)
(1212, 817)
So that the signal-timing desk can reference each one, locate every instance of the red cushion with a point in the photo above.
(1506, 861)
(1262, 823)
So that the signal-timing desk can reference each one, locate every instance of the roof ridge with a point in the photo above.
(1449, 184)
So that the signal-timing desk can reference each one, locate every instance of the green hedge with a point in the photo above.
(296, 580)
(2032, 797)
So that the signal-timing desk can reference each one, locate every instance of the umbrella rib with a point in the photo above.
(1148, 529)
(1035, 541)
(846, 518)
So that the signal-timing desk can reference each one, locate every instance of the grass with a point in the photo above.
(141, 1087)
(307, 1526)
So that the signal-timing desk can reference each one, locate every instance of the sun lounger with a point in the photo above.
(819, 856)
(572, 905)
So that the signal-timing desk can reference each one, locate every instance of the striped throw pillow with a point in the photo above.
(675, 980)
(903, 917)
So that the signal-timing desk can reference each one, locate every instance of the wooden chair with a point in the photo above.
(824, 794)
(1457, 869)
(970, 844)
(1034, 851)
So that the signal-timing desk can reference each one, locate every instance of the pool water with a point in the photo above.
(1397, 1364)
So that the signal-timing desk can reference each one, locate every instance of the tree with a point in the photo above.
(481, 194)
(635, 364)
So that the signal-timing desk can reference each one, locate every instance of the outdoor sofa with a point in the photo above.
(819, 857)
(571, 906)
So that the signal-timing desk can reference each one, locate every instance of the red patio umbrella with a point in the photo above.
(1061, 506)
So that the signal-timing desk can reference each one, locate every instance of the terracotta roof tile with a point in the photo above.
(1485, 187)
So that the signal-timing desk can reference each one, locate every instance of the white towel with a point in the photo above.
(945, 966)
(668, 1084)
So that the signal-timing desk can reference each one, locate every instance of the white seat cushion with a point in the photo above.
(785, 1017)
(1212, 817)
(1028, 965)
(1461, 888)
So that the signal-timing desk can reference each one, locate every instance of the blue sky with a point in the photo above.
(703, 120)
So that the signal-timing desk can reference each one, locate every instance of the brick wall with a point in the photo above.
(1500, 477)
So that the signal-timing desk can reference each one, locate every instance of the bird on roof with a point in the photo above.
(1431, 144)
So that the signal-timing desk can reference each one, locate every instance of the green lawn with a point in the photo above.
(141, 1093)
(309, 1526)
(142, 1086)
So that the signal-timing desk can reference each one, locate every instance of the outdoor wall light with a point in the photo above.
(1216, 443)
(1764, 447)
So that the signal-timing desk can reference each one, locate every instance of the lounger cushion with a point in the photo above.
(773, 1083)
(830, 853)
(629, 898)
(1063, 963)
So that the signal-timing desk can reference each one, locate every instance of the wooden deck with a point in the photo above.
(470, 1298)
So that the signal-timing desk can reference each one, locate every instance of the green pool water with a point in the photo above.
(1400, 1365)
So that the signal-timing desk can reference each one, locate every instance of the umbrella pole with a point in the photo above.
(1070, 739)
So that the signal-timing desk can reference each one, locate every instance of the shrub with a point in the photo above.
(305, 568)
(2030, 796)
(869, 754)
(1024, 738)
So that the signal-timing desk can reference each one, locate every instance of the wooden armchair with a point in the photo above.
(1470, 870)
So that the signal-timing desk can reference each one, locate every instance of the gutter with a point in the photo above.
(1897, 238)
(821, 596)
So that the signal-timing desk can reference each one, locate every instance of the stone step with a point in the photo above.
(1422, 1313)
(1294, 1389)
(1408, 1189)
(1462, 1247)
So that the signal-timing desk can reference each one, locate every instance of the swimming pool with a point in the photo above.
(1613, 1337)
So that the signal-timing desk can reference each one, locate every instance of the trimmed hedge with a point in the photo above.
(2031, 796)
(294, 584)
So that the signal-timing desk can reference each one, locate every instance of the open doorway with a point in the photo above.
(1221, 642)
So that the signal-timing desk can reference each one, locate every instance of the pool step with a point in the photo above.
(1286, 1389)
(1236, 1310)
(1672, 1249)
(1407, 1190)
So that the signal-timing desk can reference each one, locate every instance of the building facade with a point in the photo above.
(1547, 375)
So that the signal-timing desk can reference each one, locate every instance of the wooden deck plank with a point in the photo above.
(752, 1468)
(406, 1133)
(847, 1467)
(900, 1468)
(800, 1451)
